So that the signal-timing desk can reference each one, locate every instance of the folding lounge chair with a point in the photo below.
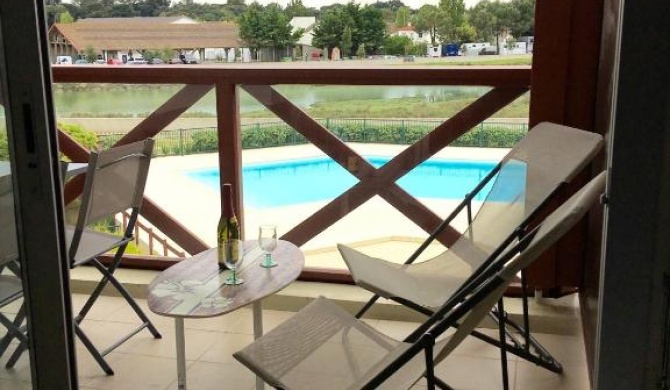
(324, 347)
(546, 158)
(115, 181)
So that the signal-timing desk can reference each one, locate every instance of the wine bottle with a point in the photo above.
(228, 230)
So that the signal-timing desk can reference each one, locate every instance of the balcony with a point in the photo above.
(506, 84)
(210, 343)
(559, 319)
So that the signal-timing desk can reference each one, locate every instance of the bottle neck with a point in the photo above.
(228, 208)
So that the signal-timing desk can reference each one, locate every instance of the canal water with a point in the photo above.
(128, 100)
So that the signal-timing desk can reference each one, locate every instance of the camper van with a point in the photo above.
(434, 51)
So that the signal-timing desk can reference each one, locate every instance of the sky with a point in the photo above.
(415, 4)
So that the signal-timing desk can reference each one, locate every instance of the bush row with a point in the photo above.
(263, 135)
(193, 141)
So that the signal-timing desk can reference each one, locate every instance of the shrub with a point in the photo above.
(205, 141)
(4, 146)
(86, 138)
(263, 135)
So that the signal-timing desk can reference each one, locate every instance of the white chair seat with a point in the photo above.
(324, 347)
(419, 283)
(92, 244)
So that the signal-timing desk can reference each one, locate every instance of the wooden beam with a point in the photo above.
(171, 227)
(297, 73)
(166, 113)
(230, 145)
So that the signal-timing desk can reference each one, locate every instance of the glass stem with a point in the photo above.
(268, 259)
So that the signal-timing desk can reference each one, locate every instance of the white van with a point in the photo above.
(64, 60)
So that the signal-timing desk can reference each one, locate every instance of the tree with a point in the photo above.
(94, 8)
(328, 32)
(483, 20)
(346, 45)
(353, 18)
(426, 20)
(418, 49)
(524, 24)
(360, 53)
(65, 17)
(397, 45)
(366, 24)
(372, 29)
(55, 13)
(510, 43)
(152, 7)
(296, 8)
(267, 27)
(207, 12)
(252, 30)
(451, 18)
(91, 54)
(492, 19)
(393, 5)
(122, 10)
(402, 17)
(465, 33)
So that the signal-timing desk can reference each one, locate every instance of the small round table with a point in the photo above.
(194, 288)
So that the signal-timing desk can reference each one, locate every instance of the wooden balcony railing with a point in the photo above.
(506, 85)
(145, 235)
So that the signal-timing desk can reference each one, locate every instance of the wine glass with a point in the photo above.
(267, 241)
(233, 255)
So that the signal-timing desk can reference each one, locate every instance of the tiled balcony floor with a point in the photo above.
(147, 363)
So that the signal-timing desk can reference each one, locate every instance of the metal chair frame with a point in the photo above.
(143, 155)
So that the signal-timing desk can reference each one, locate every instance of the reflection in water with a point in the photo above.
(145, 99)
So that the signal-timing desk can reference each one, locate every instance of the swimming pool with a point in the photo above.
(317, 179)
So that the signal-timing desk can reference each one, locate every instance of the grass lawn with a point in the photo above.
(400, 108)
(480, 60)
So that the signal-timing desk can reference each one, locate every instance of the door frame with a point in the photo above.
(26, 83)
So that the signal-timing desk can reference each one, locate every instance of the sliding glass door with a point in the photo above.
(34, 278)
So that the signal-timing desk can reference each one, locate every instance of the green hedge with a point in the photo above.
(264, 135)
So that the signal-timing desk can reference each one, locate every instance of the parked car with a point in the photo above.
(156, 61)
(81, 62)
(114, 61)
(188, 59)
(175, 60)
(136, 61)
(64, 60)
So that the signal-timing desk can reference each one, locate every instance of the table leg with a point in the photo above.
(258, 332)
(181, 354)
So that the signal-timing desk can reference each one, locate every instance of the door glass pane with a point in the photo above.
(12, 329)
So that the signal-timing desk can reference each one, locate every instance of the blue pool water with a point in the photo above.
(318, 179)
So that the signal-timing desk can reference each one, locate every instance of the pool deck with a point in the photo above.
(376, 226)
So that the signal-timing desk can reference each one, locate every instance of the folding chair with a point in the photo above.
(115, 181)
(527, 177)
(324, 347)
(10, 284)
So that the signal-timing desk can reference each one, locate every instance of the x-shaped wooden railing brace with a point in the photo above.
(381, 181)
(149, 127)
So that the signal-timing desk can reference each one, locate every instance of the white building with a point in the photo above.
(415, 36)
(304, 46)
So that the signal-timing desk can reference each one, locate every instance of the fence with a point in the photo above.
(269, 134)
